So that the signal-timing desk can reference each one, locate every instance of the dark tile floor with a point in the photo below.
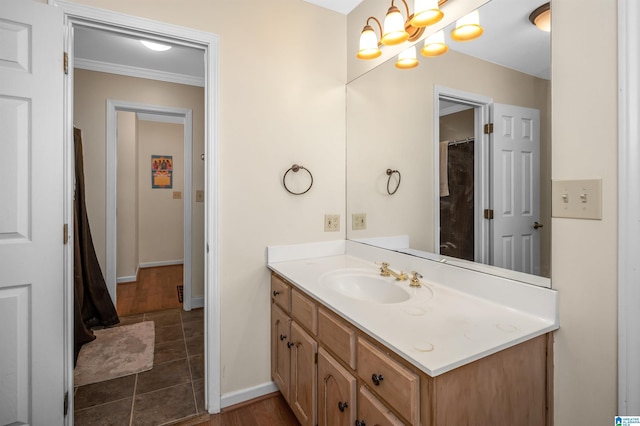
(173, 389)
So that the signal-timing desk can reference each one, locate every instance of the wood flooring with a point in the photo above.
(155, 290)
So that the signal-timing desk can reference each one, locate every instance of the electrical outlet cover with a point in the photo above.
(358, 221)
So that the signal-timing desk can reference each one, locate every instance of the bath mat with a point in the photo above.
(180, 293)
(116, 352)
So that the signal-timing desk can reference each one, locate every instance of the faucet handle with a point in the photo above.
(383, 268)
(415, 279)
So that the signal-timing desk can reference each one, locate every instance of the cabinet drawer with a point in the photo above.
(304, 311)
(337, 336)
(395, 384)
(281, 293)
(373, 412)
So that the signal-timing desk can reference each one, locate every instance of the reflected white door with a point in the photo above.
(31, 214)
(515, 179)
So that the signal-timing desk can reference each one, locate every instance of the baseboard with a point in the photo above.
(197, 302)
(247, 394)
(129, 279)
(161, 263)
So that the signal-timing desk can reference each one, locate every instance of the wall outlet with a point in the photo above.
(578, 199)
(331, 222)
(177, 195)
(358, 221)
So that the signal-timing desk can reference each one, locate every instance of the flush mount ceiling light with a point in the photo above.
(468, 27)
(158, 47)
(541, 17)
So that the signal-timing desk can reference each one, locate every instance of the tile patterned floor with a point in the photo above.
(173, 389)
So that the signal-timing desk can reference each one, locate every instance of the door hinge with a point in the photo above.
(488, 213)
(488, 128)
(66, 403)
(65, 63)
(65, 234)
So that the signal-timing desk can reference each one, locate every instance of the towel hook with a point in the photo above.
(391, 173)
(296, 168)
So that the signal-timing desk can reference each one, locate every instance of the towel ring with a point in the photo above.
(390, 173)
(295, 168)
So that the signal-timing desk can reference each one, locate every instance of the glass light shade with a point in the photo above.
(407, 59)
(543, 21)
(155, 46)
(434, 45)
(368, 44)
(426, 12)
(394, 32)
(468, 27)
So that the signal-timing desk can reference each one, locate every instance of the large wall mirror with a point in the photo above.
(422, 175)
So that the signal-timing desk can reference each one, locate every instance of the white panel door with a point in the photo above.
(516, 188)
(31, 214)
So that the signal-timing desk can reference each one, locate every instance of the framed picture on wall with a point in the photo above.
(161, 171)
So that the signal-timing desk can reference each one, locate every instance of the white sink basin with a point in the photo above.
(365, 285)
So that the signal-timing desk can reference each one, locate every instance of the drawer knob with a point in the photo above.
(342, 406)
(282, 337)
(290, 344)
(275, 293)
(376, 379)
(360, 423)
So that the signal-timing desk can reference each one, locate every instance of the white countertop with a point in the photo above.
(457, 317)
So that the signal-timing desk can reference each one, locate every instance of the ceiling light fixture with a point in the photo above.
(369, 46)
(468, 27)
(541, 17)
(158, 47)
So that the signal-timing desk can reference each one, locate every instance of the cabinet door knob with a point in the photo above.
(275, 293)
(360, 423)
(342, 406)
(282, 337)
(376, 379)
(290, 344)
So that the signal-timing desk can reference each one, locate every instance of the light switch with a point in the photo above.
(578, 199)
(177, 195)
(199, 196)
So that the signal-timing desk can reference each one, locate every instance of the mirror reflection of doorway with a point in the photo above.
(457, 181)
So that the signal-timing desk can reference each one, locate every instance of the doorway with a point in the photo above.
(77, 16)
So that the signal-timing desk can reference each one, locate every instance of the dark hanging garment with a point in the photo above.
(93, 305)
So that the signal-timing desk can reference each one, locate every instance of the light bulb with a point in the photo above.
(468, 27)
(426, 12)
(394, 32)
(368, 44)
(434, 45)
(407, 59)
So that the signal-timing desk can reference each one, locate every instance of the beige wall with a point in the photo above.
(584, 252)
(276, 110)
(281, 102)
(127, 198)
(92, 89)
(161, 223)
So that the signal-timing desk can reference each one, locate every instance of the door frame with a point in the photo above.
(482, 197)
(628, 208)
(75, 14)
(183, 116)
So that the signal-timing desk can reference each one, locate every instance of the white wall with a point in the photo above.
(161, 217)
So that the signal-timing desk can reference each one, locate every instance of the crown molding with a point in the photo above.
(111, 68)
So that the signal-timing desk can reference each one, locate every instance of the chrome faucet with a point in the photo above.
(385, 272)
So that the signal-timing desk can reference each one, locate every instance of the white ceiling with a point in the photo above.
(509, 39)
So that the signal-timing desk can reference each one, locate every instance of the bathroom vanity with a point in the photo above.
(350, 347)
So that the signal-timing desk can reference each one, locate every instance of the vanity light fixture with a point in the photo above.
(434, 45)
(158, 47)
(397, 29)
(541, 17)
(468, 27)
(407, 59)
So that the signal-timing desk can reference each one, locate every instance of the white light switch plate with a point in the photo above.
(577, 199)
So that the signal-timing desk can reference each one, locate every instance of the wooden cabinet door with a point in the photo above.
(280, 351)
(303, 376)
(371, 412)
(336, 393)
